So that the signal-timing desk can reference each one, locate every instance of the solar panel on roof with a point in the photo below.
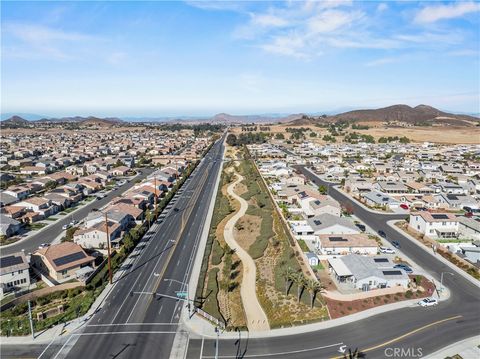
(69, 258)
(380, 260)
(392, 272)
(439, 216)
(10, 261)
(337, 239)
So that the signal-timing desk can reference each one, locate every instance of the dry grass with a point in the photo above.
(247, 230)
(438, 134)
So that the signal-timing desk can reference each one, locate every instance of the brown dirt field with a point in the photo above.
(240, 189)
(438, 134)
(250, 232)
(339, 309)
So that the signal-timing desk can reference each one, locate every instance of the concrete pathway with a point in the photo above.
(256, 317)
(336, 295)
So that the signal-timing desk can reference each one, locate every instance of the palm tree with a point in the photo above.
(299, 280)
(313, 286)
(289, 272)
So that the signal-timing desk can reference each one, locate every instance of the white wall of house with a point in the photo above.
(430, 228)
(16, 279)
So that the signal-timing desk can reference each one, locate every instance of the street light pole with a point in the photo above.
(216, 342)
(30, 319)
(108, 250)
(441, 278)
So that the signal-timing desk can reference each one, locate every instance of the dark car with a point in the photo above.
(176, 210)
(382, 234)
(361, 227)
(396, 244)
(406, 268)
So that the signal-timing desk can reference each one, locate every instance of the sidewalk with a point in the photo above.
(467, 349)
(256, 318)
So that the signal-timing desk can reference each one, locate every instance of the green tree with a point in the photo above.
(322, 189)
(280, 136)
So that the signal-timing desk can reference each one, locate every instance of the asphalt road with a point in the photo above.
(48, 234)
(132, 325)
(414, 330)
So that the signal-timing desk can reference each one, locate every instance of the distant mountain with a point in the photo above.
(82, 120)
(26, 116)
(15, 120)
(421, 114)
(244, 119)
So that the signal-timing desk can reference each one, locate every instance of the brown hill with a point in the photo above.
(419, 115)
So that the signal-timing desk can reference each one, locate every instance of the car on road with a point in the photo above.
(428, 302)
(66, 226)
(386, 250)
(44, 245)
(176, 210)
(396, 244)
(406, 268)
(469, 214)
(404, 206)
(382, 234)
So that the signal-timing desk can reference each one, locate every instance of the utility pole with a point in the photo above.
(30, 319)
(216, 342)
(155, 184)
(108, 249)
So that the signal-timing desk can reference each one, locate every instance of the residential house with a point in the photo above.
(61, 261)
(8, 226)
(435, 225)
(96, 235)
(14, 273)
(366, 273)
(347, 244)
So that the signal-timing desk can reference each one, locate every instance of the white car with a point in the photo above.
(44, 245)
(428, 302)
(386, 250)
(66, 226)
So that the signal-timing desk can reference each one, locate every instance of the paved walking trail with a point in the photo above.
(256, 318)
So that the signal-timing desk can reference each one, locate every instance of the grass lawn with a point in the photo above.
(68, 210)
(303, 245)
(51, 219)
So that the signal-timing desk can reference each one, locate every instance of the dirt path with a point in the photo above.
(256, 318)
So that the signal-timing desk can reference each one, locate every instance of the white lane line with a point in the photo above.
(63, 346)
(161, 307)
(201, 348)
(129, 324)
(130, 332)
(278, 353)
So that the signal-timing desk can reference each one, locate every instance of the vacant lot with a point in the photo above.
(440, 134)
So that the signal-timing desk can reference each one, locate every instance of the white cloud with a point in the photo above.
(290, 45)
(382, 61)
(331, 20)
(44, 40)
(430, 14)
(268, 20)
(382, 7)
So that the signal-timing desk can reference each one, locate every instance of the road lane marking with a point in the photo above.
(406, 335)
(115, 333)
(279, 353)
(127, 324)
(201, 348)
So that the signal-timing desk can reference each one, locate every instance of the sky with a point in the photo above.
(198, 58)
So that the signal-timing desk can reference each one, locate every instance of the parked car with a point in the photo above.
(404, 206)
(469, 214)
(382, 234)
(406, 268)
(66, 226)
(428, 302)
(386, 250)
(396, 244)
(44, 245)
(361, 227)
